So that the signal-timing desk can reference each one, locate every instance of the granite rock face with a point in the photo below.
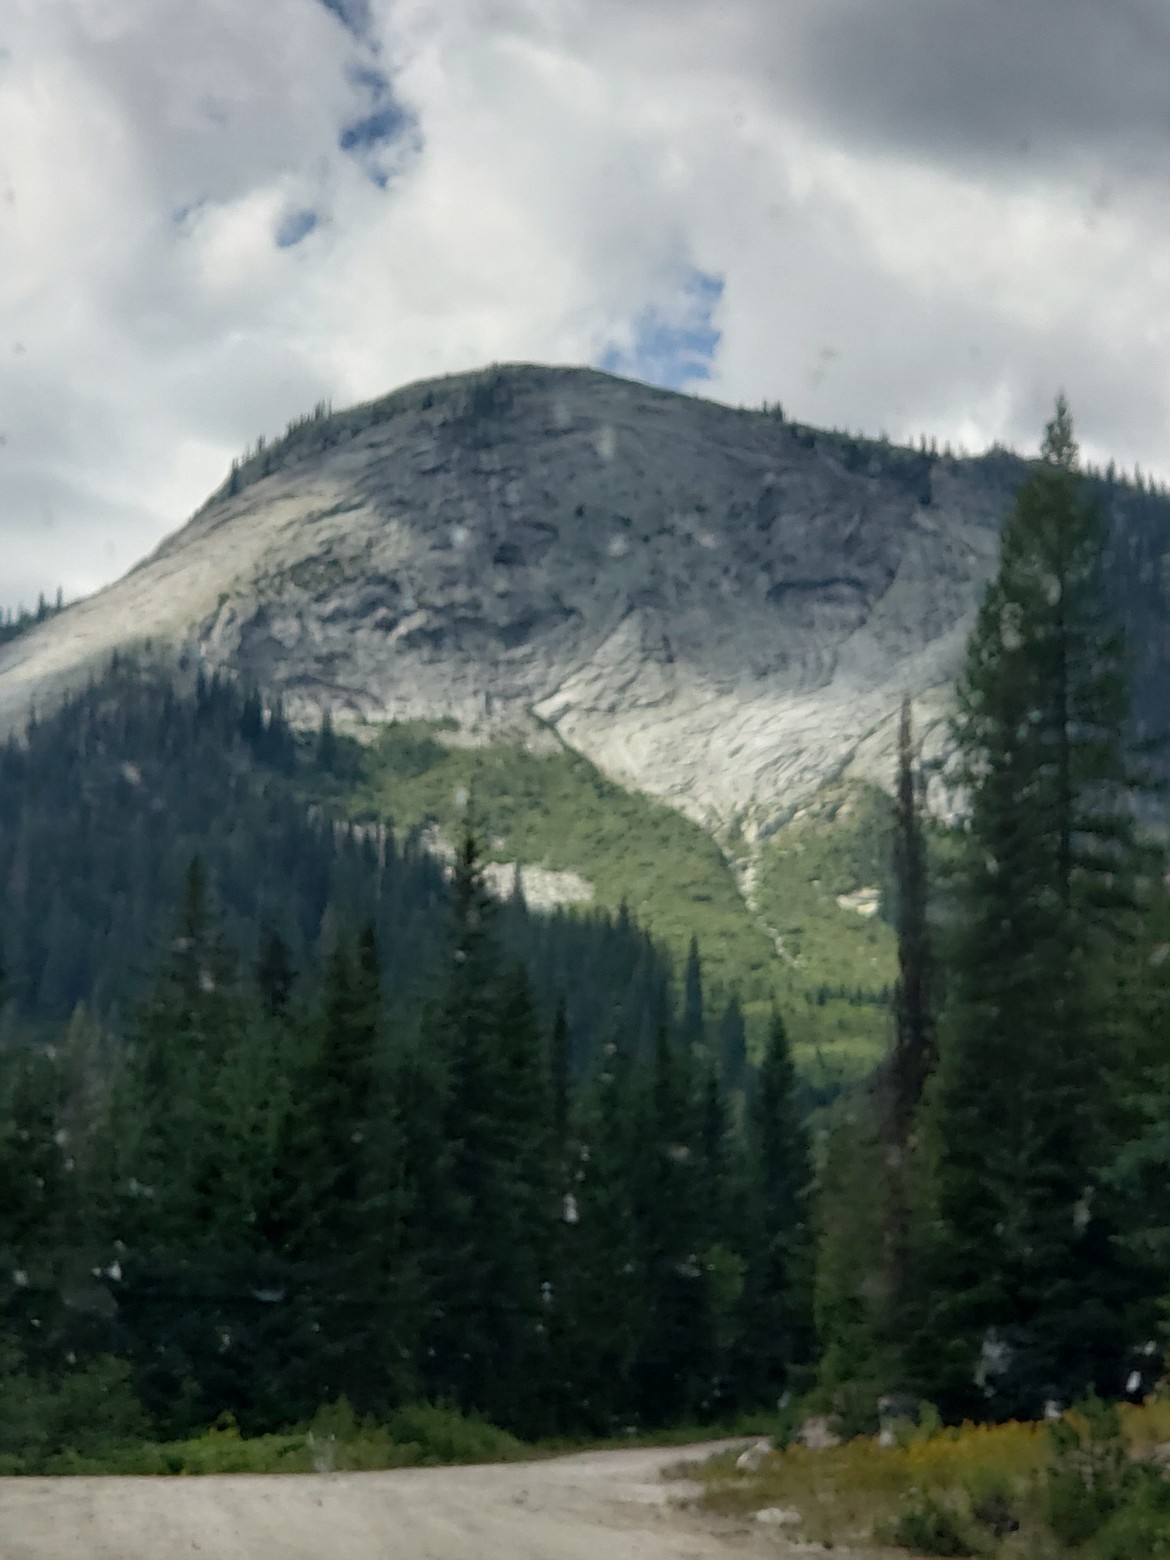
(717, 607)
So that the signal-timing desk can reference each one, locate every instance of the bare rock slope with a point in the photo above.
(717, 607)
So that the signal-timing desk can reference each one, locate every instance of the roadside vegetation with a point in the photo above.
(1090, 1484)
(335, 1440)
(100, 1430)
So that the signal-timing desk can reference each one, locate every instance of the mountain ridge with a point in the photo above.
(718, 607)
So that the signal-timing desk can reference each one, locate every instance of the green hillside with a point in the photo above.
(555, 809)
(839, 959)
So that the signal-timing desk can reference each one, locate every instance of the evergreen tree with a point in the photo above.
(561, 1070)
(778, 1320)
(498, 1203)
(675, 1366)
(275, 974)
(914, 1054)
(177, 1214)
(692, 1016)
(1025, 1280)
(595, 1301)
(724, 1231)
(527, 1212)
(327, 750)
(915, 1046)
(859, 1362)
(733, 1044)
(34, 1197)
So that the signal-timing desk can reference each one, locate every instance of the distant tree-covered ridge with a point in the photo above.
(104, 804)
(13, 624)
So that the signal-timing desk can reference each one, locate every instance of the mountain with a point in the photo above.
(718, 607)
(673, 599)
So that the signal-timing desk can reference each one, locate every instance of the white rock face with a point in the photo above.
(717, 608)
(543, 888)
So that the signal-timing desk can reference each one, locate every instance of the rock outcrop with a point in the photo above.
(717, 607)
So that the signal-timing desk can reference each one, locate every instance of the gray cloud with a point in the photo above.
(1061, 85)
(920, 216)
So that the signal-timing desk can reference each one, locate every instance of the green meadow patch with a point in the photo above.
(834, 966)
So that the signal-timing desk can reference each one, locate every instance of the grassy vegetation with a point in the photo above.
(841, 963)
(1090, 1486)
(418, 1435)
(557, 810)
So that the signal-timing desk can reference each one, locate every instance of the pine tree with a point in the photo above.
(675, 1366)
(1139, 1177)
(1025, 1279)
(723, 1240)
(527, 1212)
(34, 1202)
(275, 974)
(732, 1044)
(912, 1060)
(561, 1071)
(915, 1044)
(596, 1302)
(778, 1320)
(175, 1215)
(498, 1203)
(692, 1016)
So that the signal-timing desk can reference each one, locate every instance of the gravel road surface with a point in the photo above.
(591, 1506)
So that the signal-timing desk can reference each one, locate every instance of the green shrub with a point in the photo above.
(85, 1412)
(993, 1504)
(1140, 1528)
(1089, 1474)
(932, 1528)
(444, 1435)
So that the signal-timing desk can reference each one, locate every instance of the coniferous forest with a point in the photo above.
(290, 1113)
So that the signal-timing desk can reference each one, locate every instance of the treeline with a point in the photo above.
(994, 1209)
(13, 624)
(273, 1196)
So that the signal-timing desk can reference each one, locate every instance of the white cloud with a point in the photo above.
(471, 181)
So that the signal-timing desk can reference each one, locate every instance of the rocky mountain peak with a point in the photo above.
(718, 607)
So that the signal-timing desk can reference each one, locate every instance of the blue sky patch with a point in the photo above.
(384, 124)
(294, 226)
(673, 343)
(378, 136)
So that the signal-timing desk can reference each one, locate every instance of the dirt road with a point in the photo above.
(593, 1506)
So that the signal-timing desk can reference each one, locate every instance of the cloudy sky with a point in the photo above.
(914, 216)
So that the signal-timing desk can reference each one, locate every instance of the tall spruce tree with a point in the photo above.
(732, 1038)
(1025, 1280)
(693, 1020)
(914, 1053)
(596, 1300)
(777, 1302)
(560, 1067)
(675, 1363)
(498, 1202)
